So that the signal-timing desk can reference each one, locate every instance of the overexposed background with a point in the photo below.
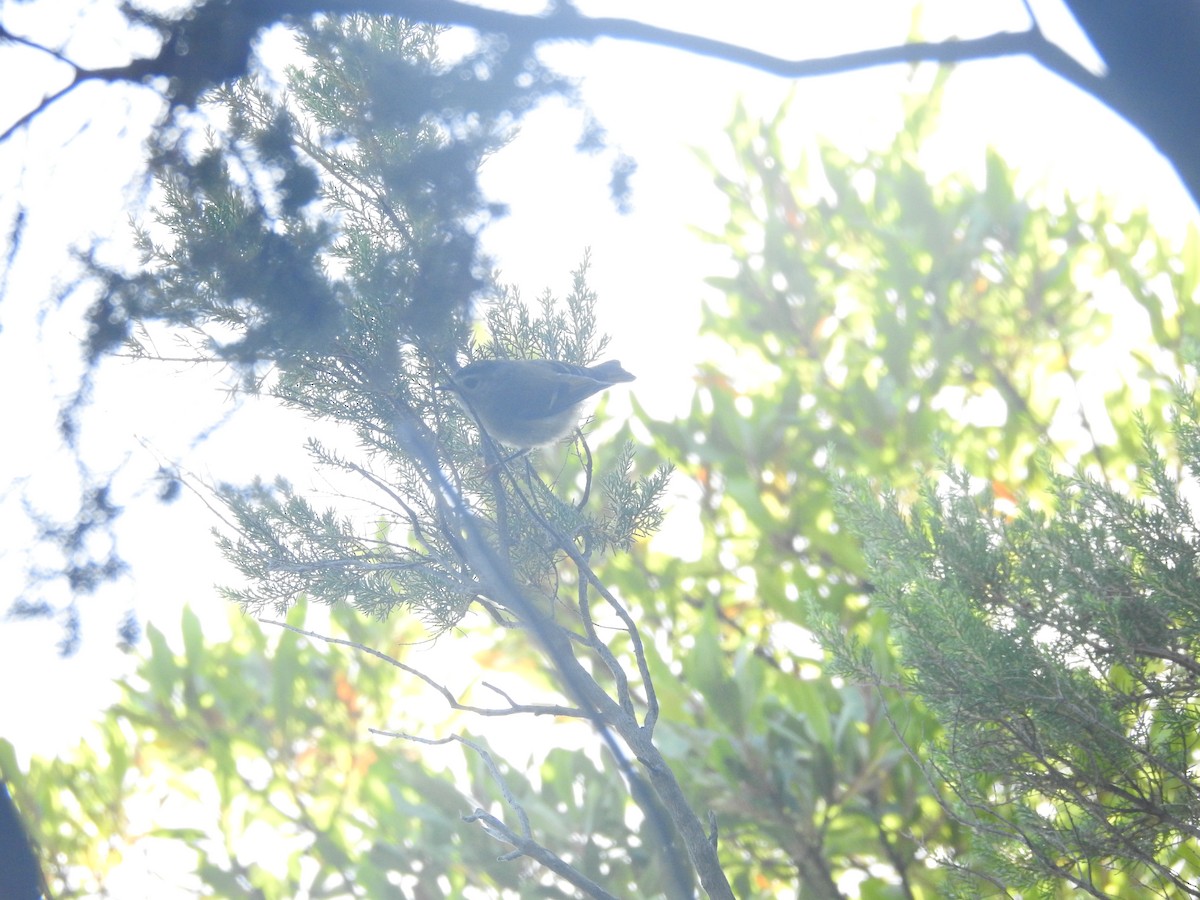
(77, 171)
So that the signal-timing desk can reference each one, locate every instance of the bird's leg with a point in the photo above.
(586, 458)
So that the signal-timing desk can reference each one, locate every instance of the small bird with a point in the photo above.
(527, 403)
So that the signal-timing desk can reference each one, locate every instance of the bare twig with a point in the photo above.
(537, 709)
(523, 844)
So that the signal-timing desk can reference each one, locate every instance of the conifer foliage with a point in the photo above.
(1060, 651)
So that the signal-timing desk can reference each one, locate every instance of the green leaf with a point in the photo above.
(704, 669)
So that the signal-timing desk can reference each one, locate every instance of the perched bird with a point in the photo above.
(527, 403)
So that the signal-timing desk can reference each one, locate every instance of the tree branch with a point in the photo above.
(566, 24)
(608, 717)
(523, 843)
(537, 709)
(1140, 96)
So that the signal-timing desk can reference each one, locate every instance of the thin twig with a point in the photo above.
(537, 709)
(523, 843)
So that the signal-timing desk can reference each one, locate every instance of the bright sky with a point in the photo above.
(76, 168)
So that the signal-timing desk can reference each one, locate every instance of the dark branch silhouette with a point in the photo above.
(1149, 51)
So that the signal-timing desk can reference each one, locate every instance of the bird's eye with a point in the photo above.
(470, 382)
